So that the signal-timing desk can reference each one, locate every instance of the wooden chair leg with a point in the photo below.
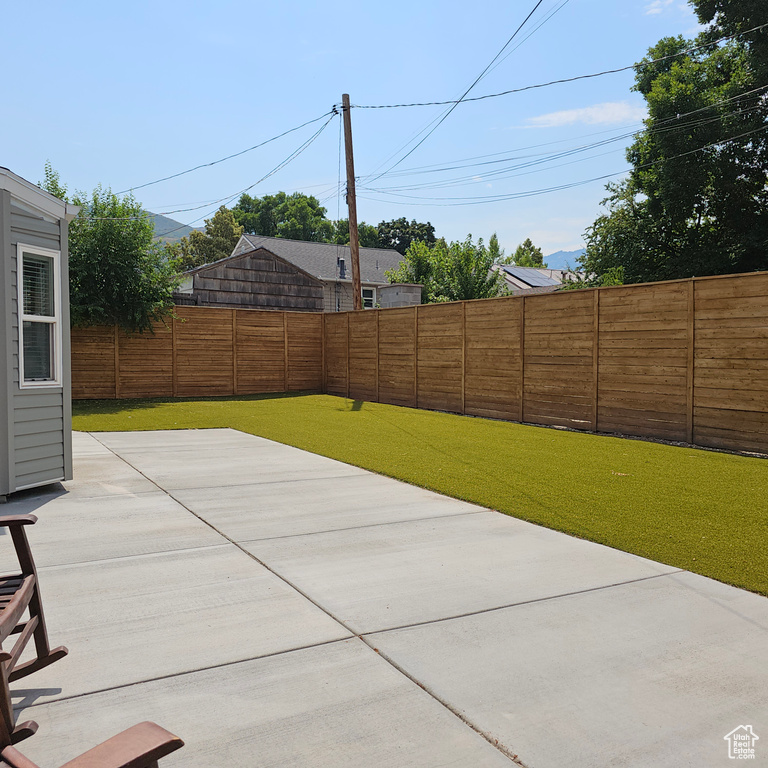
(39, 663)
(23, 731)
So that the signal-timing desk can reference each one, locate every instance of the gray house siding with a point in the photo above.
(38, 421)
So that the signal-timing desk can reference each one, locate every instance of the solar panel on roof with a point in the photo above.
(531, 276)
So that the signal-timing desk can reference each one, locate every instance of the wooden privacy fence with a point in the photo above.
(205, 351)
(684, 360)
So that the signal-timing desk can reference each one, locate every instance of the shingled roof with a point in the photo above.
(321, 259)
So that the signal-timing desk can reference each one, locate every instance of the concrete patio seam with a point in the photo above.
(493, 742)
(136, 556)
(367, 525)
(515, 758)
(185, 672)
(482, 611)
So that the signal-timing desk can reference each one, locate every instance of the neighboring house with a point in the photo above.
(276, 273)
(35, 390)
(522, 280)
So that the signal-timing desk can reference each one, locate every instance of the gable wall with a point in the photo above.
(258, 280)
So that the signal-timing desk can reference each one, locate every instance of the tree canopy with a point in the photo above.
(400, 233)
(296, 216)
(217, 242)
(117, 274)
(450, 272)
(526, 255)
(696, 200)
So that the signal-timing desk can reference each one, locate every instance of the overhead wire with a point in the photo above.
(562, 80)
(546, 190)
(228, 198)
(456, 103)
(545, 158)
(228, 157)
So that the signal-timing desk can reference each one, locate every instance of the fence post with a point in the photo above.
(234, 351)
(378, 314)
(521, 415)
(595, 356)
(117, 363)
(348, 352)
(463, 356)
(285, 351)
(691, 358)
(416, 355)
(174, 372)
(323, 376)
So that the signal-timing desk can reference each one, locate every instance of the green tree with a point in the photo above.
(455, 272)
(463, 271)
(417, 267)
(527, 255)
(117, 273)
(696, 201)
(495, 250)
(217, 242)
(296, 216)
(400, 233)
(367, 234)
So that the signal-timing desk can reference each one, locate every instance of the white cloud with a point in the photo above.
(609, 113)
(657, 6)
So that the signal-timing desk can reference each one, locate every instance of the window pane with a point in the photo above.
(38, 343)
(38, 285)
(368, 298)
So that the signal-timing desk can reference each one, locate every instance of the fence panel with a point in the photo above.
(336, 354)
(493, 369)
(304, 350)
(260, 345)
(363, 355)
(643, 360)
(93, 363)
(731, 363)
(441, 357)
(203, 363)
(397, 356)
(146, 363)
(558, 375)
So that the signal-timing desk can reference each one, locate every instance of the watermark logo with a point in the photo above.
(741, 743)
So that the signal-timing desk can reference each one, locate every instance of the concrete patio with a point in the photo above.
(275, 608)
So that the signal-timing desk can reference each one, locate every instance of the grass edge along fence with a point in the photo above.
(682, 360)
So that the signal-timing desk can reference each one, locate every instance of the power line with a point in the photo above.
(547, 190)
(229, 198)
(456, 102)
(505, 172)
(228, 157)
(675, 123)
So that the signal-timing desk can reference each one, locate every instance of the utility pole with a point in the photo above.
(354, 241)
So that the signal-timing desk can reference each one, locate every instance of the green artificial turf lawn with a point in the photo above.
(700, 510)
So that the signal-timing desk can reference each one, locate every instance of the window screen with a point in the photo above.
(40, 342)
(38, 285)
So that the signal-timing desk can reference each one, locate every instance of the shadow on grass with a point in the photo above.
(85, 407)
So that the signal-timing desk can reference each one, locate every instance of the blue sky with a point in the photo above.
(125, 94)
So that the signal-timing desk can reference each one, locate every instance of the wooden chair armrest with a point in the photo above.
(137, 747)
(9, 520)
(12, 758)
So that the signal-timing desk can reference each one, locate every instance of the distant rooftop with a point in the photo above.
(320, 259)
(531, 276)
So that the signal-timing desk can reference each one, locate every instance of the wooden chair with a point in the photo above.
(20, 593)
(138, 747)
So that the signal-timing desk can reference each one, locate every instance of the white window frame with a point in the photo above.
(55, 320)
(362, 296)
